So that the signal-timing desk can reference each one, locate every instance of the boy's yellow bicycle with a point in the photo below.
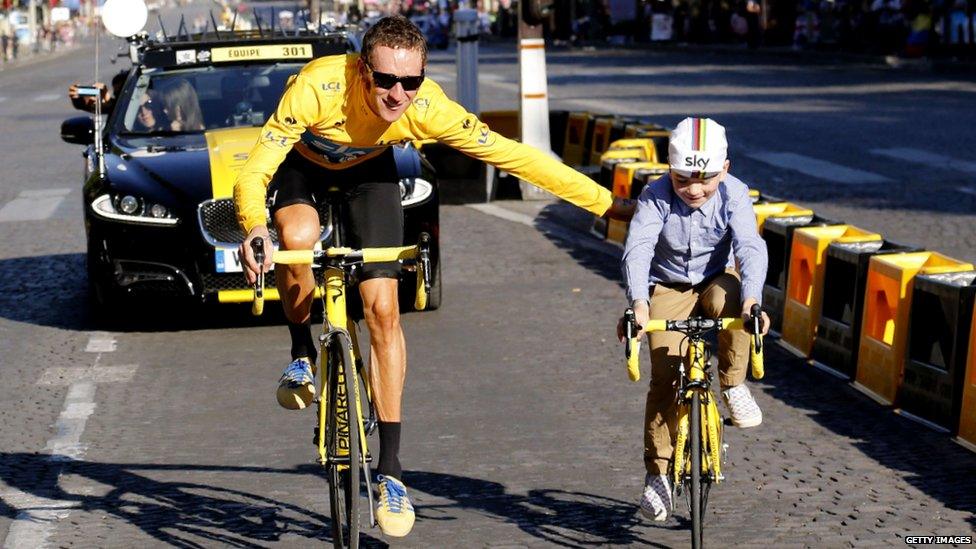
(698, 450)
(344, 422)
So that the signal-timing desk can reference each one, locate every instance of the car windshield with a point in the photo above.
(199, 99)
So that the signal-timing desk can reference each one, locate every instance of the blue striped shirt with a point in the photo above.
(671, 243)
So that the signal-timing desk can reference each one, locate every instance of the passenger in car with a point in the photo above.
(150, 117)
(181, 105)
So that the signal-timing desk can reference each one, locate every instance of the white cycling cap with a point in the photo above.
(698, 148)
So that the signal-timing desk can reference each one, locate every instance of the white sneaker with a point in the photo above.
(656, 500)
(742, 407)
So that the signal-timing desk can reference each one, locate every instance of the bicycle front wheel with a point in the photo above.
(695, 488)
(343, 445)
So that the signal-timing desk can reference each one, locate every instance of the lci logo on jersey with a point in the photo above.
(279, 140)
(332, 87)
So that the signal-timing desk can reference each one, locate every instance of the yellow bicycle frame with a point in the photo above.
(711, 420)
(337, 318)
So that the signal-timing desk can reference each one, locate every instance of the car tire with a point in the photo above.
(105, 299)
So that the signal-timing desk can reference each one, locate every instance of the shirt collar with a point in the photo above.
(706, 210)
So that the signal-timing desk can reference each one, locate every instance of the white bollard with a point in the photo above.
(534, 105)
(466, 30)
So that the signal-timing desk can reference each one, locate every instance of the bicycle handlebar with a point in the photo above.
(693, 326)
(349, 256)
(366, 255)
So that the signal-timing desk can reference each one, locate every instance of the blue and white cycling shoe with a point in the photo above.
(394, 512)
(296, 388)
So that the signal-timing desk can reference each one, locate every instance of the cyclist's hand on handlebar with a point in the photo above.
(247, 254)
(747, 317)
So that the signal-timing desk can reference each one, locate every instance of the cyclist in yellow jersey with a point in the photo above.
(336, 123)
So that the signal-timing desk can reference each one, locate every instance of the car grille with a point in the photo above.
(218, 223)
(215, 282)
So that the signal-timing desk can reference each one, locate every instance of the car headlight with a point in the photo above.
(415, 191)
(132, 209)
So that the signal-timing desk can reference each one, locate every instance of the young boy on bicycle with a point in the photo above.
(692, 227)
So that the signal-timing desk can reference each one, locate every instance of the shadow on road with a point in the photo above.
(928, 460)
(178, 513)
(46, 290)
(567, 519)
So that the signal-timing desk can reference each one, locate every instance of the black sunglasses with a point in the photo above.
(388, 81)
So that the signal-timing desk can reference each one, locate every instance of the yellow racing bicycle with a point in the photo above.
(344, 421)
(698, 451)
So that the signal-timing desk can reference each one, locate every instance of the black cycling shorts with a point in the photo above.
(370, 195)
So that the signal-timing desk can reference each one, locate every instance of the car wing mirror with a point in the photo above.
(79, 130)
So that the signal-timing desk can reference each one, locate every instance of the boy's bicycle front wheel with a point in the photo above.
(343, 445)
(695, 484)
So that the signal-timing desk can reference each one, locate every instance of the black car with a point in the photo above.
(158, 210)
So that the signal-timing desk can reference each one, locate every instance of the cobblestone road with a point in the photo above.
(521, 430)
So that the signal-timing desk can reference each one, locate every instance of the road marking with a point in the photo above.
(66, 375)
(821, 169)
(100, 342)
(35, 205)
(928, 159)
(79, 405)
(550, 228)
(37, 516)
(47, 97)
(967, 190)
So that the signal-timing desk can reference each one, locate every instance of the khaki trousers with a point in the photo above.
(713, 298)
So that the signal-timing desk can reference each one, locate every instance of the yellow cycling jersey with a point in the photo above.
(324, 114)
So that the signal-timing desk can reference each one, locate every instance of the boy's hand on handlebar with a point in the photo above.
(247, 254)
(747, 318)
(641, 317)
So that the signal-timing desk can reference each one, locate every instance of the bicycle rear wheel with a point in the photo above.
(343, 444)
(695, 484)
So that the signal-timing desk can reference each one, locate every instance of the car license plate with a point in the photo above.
(228, 260)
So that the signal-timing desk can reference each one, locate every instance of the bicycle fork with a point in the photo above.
(711, 436)
(335, 310)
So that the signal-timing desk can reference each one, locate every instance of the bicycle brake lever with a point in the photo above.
(630, 324)
(756, 313)
(257, 246)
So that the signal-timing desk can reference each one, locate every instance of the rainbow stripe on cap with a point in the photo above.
(698, 140)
